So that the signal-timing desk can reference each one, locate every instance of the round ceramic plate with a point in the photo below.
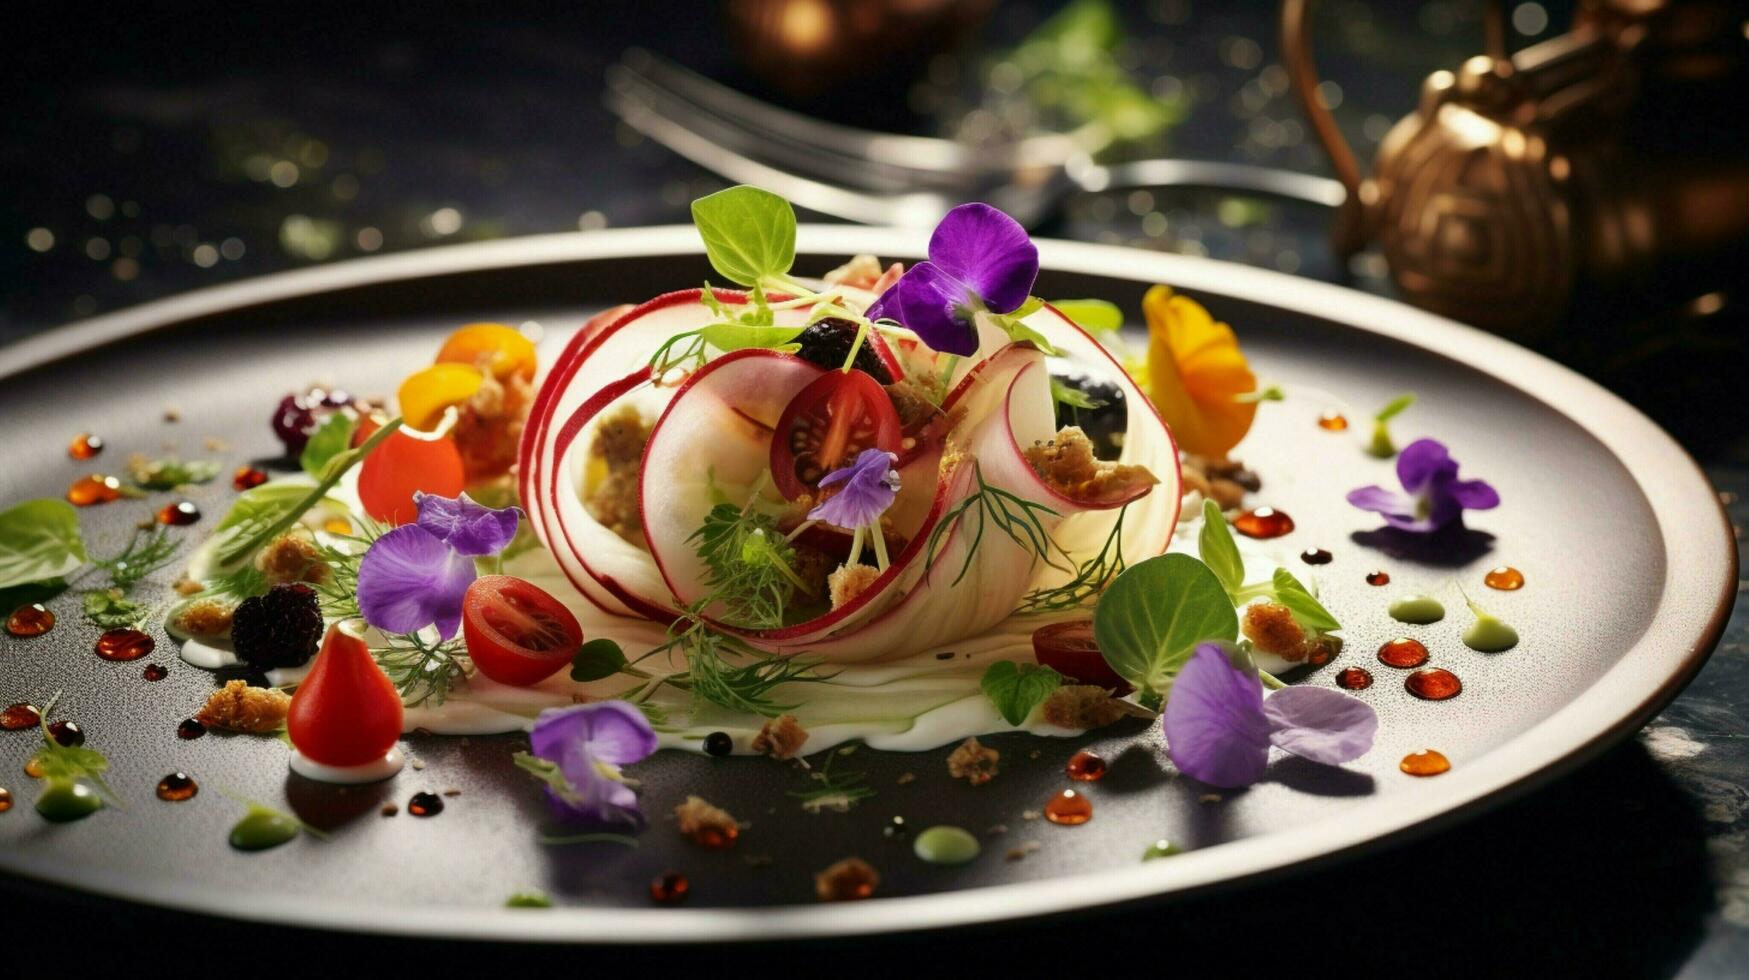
(1628, 558)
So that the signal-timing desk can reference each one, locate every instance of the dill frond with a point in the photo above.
(1091, 577)
(146, 552)
(750, 565)
(836, 791)
(423, 670)
(1013, 515)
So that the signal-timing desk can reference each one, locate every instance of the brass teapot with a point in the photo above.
(1601, 173)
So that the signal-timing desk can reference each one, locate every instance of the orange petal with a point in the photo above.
(1195, 369)
(504, 351)
(425, 394)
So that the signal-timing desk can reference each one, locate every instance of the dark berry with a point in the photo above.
(827, 343)
(279, 629)
(297, 416)
(1105, 423)
(719, 743)
(67, 733)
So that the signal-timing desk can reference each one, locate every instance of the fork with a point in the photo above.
(884, 178)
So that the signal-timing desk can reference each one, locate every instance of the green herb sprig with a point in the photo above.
(838, 791)
(1015, 516)
(1017, 688)
(1091, 577)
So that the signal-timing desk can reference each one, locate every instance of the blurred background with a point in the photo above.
(159, 148)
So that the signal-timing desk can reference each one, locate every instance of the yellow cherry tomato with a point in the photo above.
(1196, 373)
(425, 394)
(503, 350)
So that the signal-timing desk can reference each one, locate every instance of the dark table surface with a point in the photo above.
(178, 148)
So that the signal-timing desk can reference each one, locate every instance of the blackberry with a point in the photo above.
(1105, 425)
(280, 629)
(827, 343)
(297, 416)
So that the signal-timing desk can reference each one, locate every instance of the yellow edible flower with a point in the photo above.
(1196, 373)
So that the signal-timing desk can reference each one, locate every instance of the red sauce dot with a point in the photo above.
(89, 491)
(1354, 678)
(1378, 578)
(124, 644)
(18, 717)
(670, 888)
(1069, 809)
(1426, 762)
(179, 514)
(84, 446)
(1085, 767)
(1316, 556)
(32, 620)
(247, 478)
(1433, 684)
(1263, 522)
(1403, 652)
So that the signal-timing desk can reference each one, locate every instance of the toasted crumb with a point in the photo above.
(615, 461)
(1193, 480)
(188, 586)
(850, 581)
(1271, 626)
(1020, 853)
(848, 880)
(906, 778)
(1031, 814)
(389, 810)
(973, 762)
(781, 737)
(1210, 798)
(238, 707)
(1085, 706)
(706, 824)
(813, 566)
(214, 444)
(172, 413)
(488, 429)
(206, 617)
(291, 557)
(1067, 463)
(1226, 469)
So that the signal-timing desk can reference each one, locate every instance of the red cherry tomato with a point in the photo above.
(516, 632)
(402, 465)
(1069, 649)
(346, 711)
(826, 424)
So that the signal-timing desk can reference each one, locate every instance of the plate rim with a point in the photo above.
(1692, 524)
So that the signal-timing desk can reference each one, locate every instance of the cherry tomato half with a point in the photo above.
(826, 424)
(402, 465)
(1069, 649)
(516, 632)
(346, 711)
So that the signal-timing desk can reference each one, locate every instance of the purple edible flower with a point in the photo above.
(979, 258)
(870, 484)
(589, 743)
(417, 575)
(1219, 726)
(1434, 497)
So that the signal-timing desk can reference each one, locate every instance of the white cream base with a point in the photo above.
(370, 772)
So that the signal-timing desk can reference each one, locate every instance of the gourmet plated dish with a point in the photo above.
(900, 507)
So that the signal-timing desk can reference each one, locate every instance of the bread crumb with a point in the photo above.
(848, 880)
(1085, 706)
(907, 778)
(850, 581)
(1020, 853)
(706, 824)
(238, 707)
(389, 810)
(1273, 628)
(188, 586)
(291, 558)
(973, 762)
(205, 618)
(616, 457)
(781, 737)
(1031, 814)
(1068, 465)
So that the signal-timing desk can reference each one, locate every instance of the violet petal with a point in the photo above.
(411, 579)
(988, 251)
(1214, 723)
(588, 743)
(1474, 494)
(468, 527)
(933, 306)
(1319, 724)
(1420, 461)
(1382, 501)
(870, 485)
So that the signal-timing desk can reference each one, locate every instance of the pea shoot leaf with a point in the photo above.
(749, 234)
(39, 541)
(171, 472)
(1395, 407)
(1017, 688)
(598, 659)
(1218, 550)
(1290, 592)
(1093, 315)
(1152, 617)
(327, 442)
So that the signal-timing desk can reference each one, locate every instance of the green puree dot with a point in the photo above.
(261, 829)
(1490, 635)
(65, 800)
(1417, 609)
(946, 845)
(1161, 848)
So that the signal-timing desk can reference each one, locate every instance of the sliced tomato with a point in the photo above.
(1069, 649)
(405, 464)
(826, 425)
(516, 632)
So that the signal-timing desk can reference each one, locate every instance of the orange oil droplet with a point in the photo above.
(1403, 652)
(177, 786)
(1263, 522)
(67, 733)
(715, 838)
(31, 620)
(18, 717)
(179, 514)
(94, 489)
(337, 525)
(247, 478)
(84, 446)
(1085, 767)
(1354, 678)
(124, 644)
(1333, 422)
(1505, 578)
(670, 888)
(33, 769)
(5, 800)
(1378, 578)
(1433, 684)
(1069, 809)
(1426, 762)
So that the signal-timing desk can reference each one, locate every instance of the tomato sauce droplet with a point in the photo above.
(346, 711)
(247, 478)
(669, 888)
(32, 620)
(1263, 523)
(1403, 652)
(33, 769)
(5, 800)
(1433, 684)
(89, 491)
(1316, 556)
(177, 786)
(1378, 578)
(1505, 578)
(1333, 422)
(18, 717)
(84, 446)
(425, 805)
(1354, 678)
(1426, 762)
(124, 644)
(155, 672)
(190, 729)
(67, 734)
(179, 514)
(1085, 767)
(715, 838)
(1069, 809)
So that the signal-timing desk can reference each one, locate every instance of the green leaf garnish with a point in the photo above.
(598, 659)
(1017, 688)
(39, 541)
(837, 791)
(62, 764)
(749, 233)
(1073, 397)
(534, 898)
(1096, 316)
(110, 609)
(1015, 516)
(1290, 592)
(1218, 549)
(1381, 444)
(327, 442)
(1151, 619)
(749, 565)
(740, 336)
(170, 472)
(1395, 407)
